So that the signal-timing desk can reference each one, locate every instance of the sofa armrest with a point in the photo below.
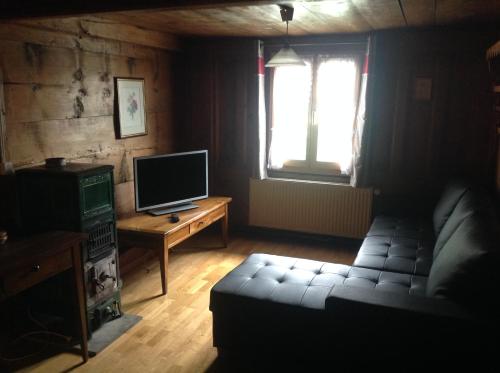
(346, 299)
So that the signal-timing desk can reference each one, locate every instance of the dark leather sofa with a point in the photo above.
(420, 288)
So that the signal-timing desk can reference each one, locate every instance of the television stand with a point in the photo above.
(169, 210)
(161, 235)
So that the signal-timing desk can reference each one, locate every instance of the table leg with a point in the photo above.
(224, 226)
(163, 254)
(80, 295)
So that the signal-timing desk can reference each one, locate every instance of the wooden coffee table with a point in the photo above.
(158, 234)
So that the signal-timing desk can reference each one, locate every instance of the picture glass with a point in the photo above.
(132, 121)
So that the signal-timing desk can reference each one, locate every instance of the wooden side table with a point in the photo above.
(158, 234)
(27, 261)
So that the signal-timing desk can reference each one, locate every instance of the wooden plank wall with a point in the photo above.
(419, 143)
(59, 93)
(220, 106)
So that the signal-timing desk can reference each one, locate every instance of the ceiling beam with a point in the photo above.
(22, 9)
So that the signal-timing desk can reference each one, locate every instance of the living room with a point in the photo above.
(430, 118)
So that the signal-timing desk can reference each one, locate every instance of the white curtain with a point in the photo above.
(261, 171)
(359, 135)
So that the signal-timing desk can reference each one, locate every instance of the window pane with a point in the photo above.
(291, 96)
(335, 110)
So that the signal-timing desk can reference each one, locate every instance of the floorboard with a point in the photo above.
(175, 334)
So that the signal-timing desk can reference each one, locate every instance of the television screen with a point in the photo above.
(170, 180)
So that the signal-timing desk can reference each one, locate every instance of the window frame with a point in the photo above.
(310, 169)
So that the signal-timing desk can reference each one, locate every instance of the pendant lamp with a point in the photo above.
(286, 56)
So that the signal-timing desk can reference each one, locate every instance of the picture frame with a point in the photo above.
(130, 114)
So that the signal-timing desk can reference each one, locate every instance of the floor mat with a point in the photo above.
(110, 331)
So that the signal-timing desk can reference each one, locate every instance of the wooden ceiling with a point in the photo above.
(262, 18)
(310, 17)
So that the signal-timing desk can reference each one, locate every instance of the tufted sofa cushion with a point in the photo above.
(466, 268)
(395, 227)
(302, 283)
(470, 202)
(408, 245)
(396, 254)
(421, 229)
(452, 193)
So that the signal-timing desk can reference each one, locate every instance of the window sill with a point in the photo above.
(310, 178)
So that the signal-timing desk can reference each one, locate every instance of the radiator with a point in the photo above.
(311, 207)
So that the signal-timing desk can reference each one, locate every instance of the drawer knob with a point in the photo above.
(35, 268)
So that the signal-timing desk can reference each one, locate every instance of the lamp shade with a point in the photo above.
(286, 56)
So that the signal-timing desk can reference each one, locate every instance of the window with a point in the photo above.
(312, 112)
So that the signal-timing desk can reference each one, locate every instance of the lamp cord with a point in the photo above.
(287, 40)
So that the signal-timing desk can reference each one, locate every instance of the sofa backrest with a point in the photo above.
(466, 268)
(452, 193)
(472, 200)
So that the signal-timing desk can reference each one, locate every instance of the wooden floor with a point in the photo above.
(175, 334)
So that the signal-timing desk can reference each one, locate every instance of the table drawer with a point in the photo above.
(178, 236)
(207, 220)
(36, 271)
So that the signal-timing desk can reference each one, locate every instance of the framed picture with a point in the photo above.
(129, 99)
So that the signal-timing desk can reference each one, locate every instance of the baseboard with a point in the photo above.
(301, 236)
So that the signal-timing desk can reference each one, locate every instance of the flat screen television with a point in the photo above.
(169, 183)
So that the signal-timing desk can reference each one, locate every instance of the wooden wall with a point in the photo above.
(219, 114)
(419, 140)
(59, 93)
